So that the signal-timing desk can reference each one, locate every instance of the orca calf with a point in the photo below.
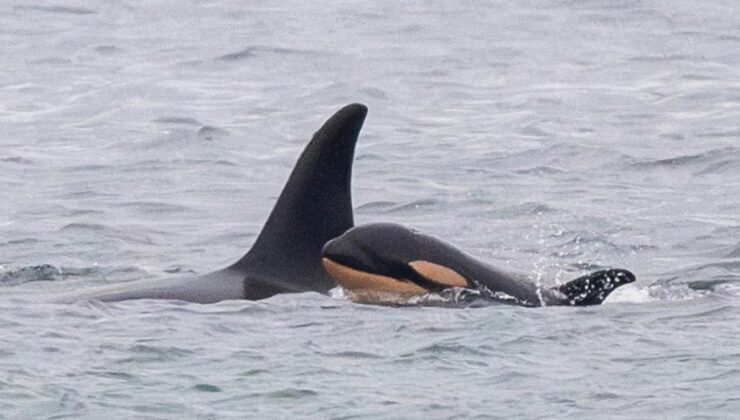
(387, 263)
(314, 207)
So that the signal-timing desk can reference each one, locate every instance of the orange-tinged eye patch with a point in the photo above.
(444, 276)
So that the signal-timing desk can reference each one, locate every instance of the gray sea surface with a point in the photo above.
(146, 139)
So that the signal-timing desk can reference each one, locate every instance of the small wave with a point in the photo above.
(373, 92)
(157, 164)
(124, 376)
(701, 162)
(580, 242)
(452, 348)
(729, 289)
(726, 166)
(540, 171)
(93, 167)
(661, 58)
(154, 207)
(672, 162)
(179, 270)
(206, 388)
(287, 393)
(142, 353)
(711, 285)
(531, 208)
(67, 10)
(49, 272)
(374, 157)
(42, 272)
(50, 61)
(77, 229)
(698, 77)
(83, 193)
(237, 307)
(253, 51)
(557, 155)
(17, 159)
(82, 212)
(21, 241)
(709, 279)
(731, 134)
(107, 49)
(177, 120)
(237, 56)
(675, 291)
(729, 375)
(414, 205)
(377, 205)
(700, 312)
(722, 268)
(210, 133)
(85, 227)
(356, 355)
(254, 372)
(394, 207)
(582, 265)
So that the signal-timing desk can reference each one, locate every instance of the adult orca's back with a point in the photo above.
(314, 207)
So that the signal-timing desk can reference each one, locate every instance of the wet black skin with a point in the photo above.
(314, 207)
(387, 249)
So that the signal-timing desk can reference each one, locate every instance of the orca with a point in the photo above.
(386, 263)
(314, 207)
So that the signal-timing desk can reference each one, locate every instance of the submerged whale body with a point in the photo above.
(314, 207)
(389, 263)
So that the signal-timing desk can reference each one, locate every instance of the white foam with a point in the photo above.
(630, 294)
(338, 293)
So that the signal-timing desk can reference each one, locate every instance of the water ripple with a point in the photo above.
(66, 10)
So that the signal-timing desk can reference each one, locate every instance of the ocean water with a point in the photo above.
(146, 139)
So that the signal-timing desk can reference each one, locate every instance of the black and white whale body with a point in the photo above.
(314, 207)
(387, 263)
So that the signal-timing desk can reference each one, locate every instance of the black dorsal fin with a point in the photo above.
(593, 288)
(314, 207)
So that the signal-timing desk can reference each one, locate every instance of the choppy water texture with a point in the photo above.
(146, 138)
